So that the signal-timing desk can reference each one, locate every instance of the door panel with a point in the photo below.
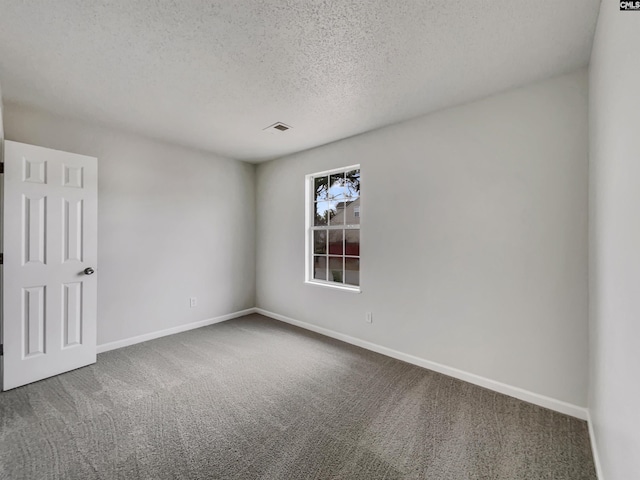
(33, 319)
(34, 242)
(72, 313)
(72, 230)
(50, 237)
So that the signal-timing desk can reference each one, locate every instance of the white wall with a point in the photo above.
(614, 396)
(173, 223)
(474, 226)
(1, 123)
(1, 188)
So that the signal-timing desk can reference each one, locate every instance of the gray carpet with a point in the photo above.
(254, 398)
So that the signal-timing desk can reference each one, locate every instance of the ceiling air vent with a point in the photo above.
(278, 127)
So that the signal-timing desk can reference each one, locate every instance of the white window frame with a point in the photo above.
(310, 228)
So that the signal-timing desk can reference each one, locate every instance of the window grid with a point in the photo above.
(329, 265)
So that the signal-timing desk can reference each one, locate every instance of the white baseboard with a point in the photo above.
(594, 448)
(105, 347)
(519, 393)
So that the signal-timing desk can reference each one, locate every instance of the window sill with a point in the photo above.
(334, 286)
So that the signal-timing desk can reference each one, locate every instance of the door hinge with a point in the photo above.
(1, 258)
(1, 167)
(1, 349)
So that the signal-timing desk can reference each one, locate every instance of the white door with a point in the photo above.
(50, 252)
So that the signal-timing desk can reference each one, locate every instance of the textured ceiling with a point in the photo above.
(213, 74)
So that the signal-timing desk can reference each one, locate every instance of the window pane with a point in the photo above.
(323, 212)
(335, 269)
(331, 213)
(321, 188)
(320, 268)
(338, 217)
(335, 242)
(337, 188)
(320, 241)
(352, 212)
(352, 184)
(352, 243)
(352, 271)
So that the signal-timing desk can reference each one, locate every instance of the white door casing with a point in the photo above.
(50, 238)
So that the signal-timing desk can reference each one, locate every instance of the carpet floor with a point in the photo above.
(253, 398)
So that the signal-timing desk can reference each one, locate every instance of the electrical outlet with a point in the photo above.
(193, 301)
(369, 318)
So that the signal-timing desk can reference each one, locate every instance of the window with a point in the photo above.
(333, 228)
